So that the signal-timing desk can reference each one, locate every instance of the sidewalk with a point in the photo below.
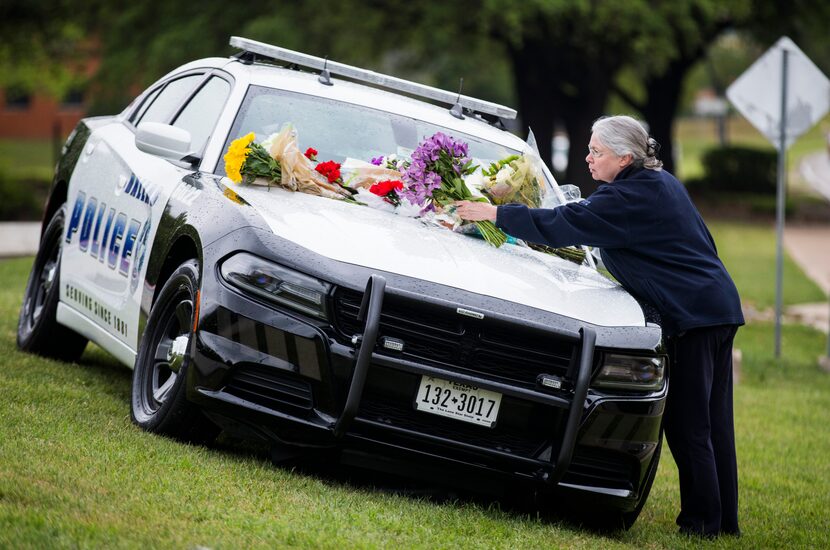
(809, 246)
(815, 168)
(19, 239)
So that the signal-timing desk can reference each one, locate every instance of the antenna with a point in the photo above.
(325, 75)
(457, 110)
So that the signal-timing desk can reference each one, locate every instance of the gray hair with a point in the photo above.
(625, 135)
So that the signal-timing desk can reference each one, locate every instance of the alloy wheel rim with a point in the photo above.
(42, 285)
(169, 353)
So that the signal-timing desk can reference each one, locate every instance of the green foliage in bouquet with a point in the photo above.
(248, 160)
(260, 164)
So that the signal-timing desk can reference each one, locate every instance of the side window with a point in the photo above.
(161, 106)
(200, 114)
(147, 102)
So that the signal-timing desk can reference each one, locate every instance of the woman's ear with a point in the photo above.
(625, 160)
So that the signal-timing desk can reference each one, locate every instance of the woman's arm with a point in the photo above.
(476, 211)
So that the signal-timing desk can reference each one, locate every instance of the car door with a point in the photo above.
(116, 198)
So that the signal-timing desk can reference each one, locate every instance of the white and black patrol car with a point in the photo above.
(320, 324)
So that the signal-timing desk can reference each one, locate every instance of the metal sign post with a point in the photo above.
(804, 100)
(780, 200)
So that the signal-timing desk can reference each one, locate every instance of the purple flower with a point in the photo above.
(377, 161)
(437, 159)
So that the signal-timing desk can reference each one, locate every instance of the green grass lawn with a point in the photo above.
(75, 472)
(748, 252)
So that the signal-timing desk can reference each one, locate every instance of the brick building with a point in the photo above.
(37, 116)
(34, 115)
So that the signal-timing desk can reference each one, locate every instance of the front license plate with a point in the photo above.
(459, 401)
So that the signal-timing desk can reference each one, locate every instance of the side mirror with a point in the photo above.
(163, 140)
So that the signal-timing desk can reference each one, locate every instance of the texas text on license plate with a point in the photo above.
(459, 401)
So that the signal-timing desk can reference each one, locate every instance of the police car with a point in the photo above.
(313, 323)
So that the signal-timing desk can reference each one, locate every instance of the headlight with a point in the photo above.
(277, 284)
(631, 372)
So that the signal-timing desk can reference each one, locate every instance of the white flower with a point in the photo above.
(503, 175)
(269, 142)
(475, 182)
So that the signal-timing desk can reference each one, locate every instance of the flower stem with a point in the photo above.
(491, 233)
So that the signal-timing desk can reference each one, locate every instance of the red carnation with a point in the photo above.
(330, 169)
(311, 153)
(383, 188)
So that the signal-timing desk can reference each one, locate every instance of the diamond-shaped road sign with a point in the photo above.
(757, 93)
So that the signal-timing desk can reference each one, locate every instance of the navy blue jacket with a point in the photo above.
(652, 240)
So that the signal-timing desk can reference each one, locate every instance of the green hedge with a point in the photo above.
(738, 169)
(21, 199)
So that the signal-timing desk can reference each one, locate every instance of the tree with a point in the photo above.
(44, 45)
(562, 58)
(693, 25)
(566, 56)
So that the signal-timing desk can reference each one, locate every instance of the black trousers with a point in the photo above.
(700, 430)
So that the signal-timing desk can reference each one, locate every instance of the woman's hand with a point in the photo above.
(475, 211)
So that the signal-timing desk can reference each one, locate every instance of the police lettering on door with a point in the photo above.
(108, 235)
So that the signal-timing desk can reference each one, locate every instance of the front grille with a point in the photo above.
(441, 337)
(454, 430)
(601, 468)
(522, 429)
(270, 388)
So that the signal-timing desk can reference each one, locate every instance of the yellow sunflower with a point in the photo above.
(236, 155)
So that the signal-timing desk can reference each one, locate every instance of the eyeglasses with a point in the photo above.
(596, 153)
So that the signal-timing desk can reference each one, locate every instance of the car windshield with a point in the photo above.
(341, 131)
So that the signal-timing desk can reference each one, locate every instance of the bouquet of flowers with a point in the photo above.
(365, 175)
(246, 161)
(435, 176)
(278, 161)
(513, 179)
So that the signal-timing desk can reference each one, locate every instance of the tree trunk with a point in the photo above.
(578, 114)
(661, 107)
(536, 107)
(558, 84)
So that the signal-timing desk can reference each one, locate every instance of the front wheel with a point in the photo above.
(159, 403)
(38, 330)
(630, 517)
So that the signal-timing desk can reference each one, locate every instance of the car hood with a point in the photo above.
(407, 246)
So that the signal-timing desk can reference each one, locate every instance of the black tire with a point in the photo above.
(629, 518)
(610, 520)
(159, 402)
(37, 329)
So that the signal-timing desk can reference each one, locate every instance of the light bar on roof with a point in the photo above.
(364, 75)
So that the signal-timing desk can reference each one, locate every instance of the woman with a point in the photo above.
(654, 242)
